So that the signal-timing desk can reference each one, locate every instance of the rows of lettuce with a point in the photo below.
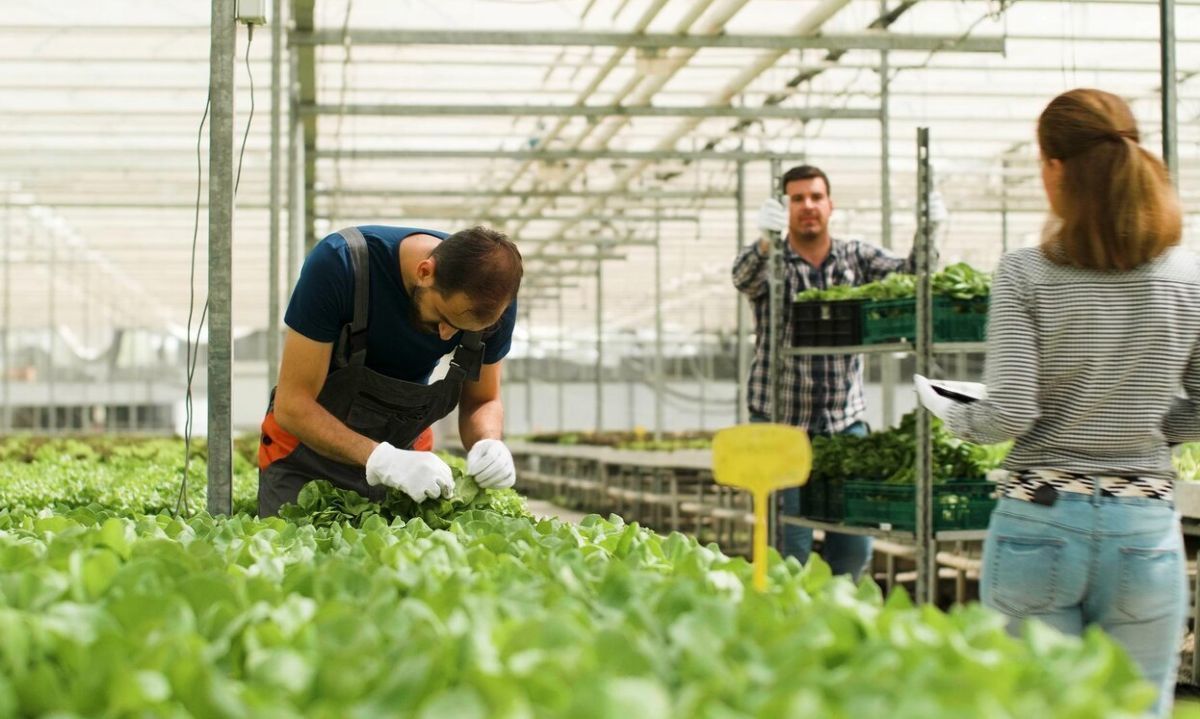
(468, 608)
(637, 439)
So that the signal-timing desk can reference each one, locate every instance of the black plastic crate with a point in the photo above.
(827, 324)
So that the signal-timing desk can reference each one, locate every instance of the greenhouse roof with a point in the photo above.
(577, 126)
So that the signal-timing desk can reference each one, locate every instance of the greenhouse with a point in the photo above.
(600, 359)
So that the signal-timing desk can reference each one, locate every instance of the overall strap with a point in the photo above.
(468, 357)
(351, 346)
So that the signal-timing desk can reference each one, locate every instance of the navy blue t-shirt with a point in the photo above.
(323, 302)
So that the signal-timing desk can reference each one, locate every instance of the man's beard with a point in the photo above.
(414, 313)
(808, 235)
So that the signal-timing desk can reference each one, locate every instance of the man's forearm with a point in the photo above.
(324, 433)
(750, 272)
(482, 421)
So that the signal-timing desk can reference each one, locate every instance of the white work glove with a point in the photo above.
(930, 399)
(491, 464)
(938, 214)
(420, 475)
(772, 217)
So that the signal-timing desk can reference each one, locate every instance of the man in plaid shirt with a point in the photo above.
(822, 394)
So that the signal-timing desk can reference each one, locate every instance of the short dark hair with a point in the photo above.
(805, 172)
(481, 263)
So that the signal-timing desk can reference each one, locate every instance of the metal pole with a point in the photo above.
(87, 337)
(529, 368)
(599, 346)
(702, 367)
(560, 371)
(868, 40)
(220, 260)
(926, 562)
(295, 175)
(7, 325)
(775, 245)
(273, 258)
(889, 367)
(743, 352)
(630, 386)
(1004, 206)
(51, 273)
(659, 379)
(1170, 130)
(775, 328)
(587, 111)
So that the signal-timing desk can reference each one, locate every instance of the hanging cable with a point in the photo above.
(192, 352)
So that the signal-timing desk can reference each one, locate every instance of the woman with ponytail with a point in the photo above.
(1093, 368)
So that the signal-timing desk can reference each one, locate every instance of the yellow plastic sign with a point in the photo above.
(761, 458)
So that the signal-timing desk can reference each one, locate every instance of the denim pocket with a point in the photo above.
(1025, 573)
(1150, 583)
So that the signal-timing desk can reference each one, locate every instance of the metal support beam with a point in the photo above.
(590, 241)
(302, 16)
(775, 244)
(529, 369)
(653, 40)
(550, 155)
(220, 259)
(52, 318)
(464, 214)
(889, 366)
(296, 170)
(572, 257)
(1170, 128)
(635, 193)
(591, 111)
(1004, 207)
(559, 370)
(774, 331)
(743, 307)
(702, 370)
(273, 293)
(926, 560)
(6, 325)
(599, 346)
(659, 380)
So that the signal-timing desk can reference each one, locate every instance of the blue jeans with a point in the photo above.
(845, 553)
(1116, 562)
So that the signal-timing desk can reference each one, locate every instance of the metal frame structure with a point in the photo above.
(673, 103)
(220, 260)
(924, 538)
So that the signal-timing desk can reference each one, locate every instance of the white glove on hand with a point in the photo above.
(930, 399)
(772, 217)
(490, 462)
(938, 214)
(420, 475)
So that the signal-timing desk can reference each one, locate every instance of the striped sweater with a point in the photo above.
(1085, 369)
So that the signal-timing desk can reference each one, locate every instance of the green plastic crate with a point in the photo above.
(822, 499)
(956, 505)
(885, 321)
(959, 320)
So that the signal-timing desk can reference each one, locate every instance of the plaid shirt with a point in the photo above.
(821, 393)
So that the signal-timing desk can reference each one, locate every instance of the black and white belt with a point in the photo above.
(1033, 485)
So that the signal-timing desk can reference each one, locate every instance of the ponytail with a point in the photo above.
(1117, 206)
